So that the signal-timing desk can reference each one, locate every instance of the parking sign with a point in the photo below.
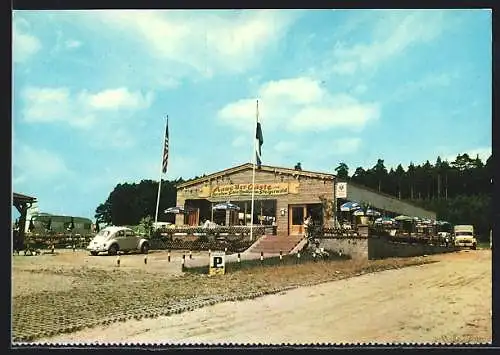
(217, 263)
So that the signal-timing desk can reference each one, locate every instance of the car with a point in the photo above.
(116, 239)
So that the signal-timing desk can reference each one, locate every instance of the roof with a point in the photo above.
(269, 168)
(23, 198)
(114, 229)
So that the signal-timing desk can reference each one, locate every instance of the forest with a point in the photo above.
(458, 191)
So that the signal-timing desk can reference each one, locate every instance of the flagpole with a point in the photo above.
(161, 174)
(254, 152)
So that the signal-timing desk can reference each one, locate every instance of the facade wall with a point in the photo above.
(303, 190)
(356, 248)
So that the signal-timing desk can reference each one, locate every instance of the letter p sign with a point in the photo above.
(217, 263)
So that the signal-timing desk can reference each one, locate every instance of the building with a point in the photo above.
(283, 197)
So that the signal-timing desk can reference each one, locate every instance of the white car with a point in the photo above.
(114, 239)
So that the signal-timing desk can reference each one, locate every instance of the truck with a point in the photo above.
(464, 236)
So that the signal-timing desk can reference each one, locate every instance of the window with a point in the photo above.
(297, 216)
(129, 233)
(120, 234)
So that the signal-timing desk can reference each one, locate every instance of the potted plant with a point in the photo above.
(364, 219)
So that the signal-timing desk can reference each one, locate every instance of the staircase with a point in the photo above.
(272, 244)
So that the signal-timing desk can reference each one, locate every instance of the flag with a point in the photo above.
(258, 136)
(165, 151)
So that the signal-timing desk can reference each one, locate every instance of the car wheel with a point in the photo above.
(113, 249)
(93, 253)
(473, 247)
(144, 248)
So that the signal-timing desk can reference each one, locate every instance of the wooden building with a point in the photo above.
(283, 197)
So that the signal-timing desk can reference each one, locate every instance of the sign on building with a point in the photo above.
(341, 190)
(217, 263)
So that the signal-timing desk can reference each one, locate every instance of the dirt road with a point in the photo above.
(449, 301)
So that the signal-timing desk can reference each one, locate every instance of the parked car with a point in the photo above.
(114, 239)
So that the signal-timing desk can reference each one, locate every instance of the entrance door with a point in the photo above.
(296, 217)
(193, 217)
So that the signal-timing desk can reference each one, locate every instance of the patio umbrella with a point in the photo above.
(175, 210)
(226, 206)
(403, 218)
(385, 220)
(369, 212)
(349, 206)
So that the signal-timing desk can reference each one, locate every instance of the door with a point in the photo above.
(193, 218)
(130, 240)
(296, 217)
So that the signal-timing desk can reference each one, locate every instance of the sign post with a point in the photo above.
(340, 192)
(217, 263)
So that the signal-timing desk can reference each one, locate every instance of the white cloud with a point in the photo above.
(427, 82)
(346, 145)
(44, 105)
(299, 104)
(360, 89)
(24, 45)
(483, 152)
(115, 99)
(285, 146)
(393, 34)
(199, 41)
(72, 44)
(38, 164)
(240, 141)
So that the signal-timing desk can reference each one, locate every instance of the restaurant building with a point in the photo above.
(284, 197)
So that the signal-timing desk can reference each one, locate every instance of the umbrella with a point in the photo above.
(175, 210)
(226, 206)
(369, 212)
(403, 218)
(350, 206)
(385, 220)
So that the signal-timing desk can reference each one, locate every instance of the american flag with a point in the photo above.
(165, 151)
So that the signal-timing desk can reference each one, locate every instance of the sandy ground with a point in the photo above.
(449, 301)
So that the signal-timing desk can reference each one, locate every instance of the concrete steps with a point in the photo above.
(272, 244)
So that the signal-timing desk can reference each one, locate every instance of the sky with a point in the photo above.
(92, 89)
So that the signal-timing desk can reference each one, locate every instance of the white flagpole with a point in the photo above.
(161, 174)
(254, 153)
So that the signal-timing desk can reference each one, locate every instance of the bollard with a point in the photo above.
(261, 256)
(225, 250)
(53, 248)
(239, 258)
(190, 255)
(183, 261)
(298, 257)
(281, 255)
(145, 259)
(209, 252)
(73, 248)
(168, 256)
(118, 260)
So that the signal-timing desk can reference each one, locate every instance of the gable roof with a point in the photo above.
(249, 166)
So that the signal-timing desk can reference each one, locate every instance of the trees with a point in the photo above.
(128, 203)
(342, 171)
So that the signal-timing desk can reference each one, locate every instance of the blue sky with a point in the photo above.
(91, 90)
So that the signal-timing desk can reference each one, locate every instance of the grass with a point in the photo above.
(99, 297)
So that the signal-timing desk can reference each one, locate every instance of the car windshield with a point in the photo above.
(103, 233)
(463, 234)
